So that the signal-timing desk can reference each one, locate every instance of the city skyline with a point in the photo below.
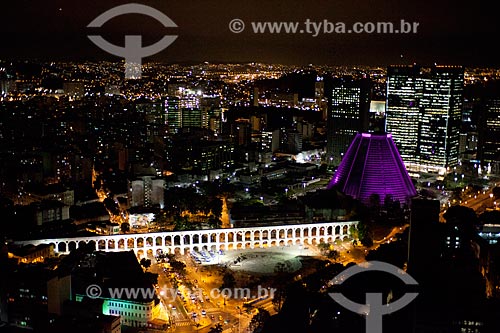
(449, 32)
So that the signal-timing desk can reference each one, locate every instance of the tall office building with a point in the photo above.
(347, 115)
(173, 114)
(154, 117)
(146, 191)
(424, 110)
(490, 134)
(404, 90)
(192, 117)
(270, 141)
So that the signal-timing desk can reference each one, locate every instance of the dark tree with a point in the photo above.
(151, 278)
(496, 192)
(125, 227)
(178, 266)
(259, 319)
(146, 263)
(216, 329)
(228, 280)
(492, 217)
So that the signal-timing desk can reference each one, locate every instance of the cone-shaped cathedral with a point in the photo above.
(372, 165)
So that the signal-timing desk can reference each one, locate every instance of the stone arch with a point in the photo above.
(289, 233)
(177, 240)
(111, 244)
(101, 244)
(239, 246)
(306, 232)
(149, 241)
(264, 235)
(158, 241)
(337, 230)
(71, 246)
(248, 235)
(121, 244)
(140, 254)
(256, 235)
(81, 244)
(222, 237)
(230, 246)
(213, 237)
(281, 234)
(289, 242)
(273, 234)
(177, 250)
(61, 247)
(204, 238)
(196, 239)
(167, 240)
(314, 232)
(321, 231)
(248, 245)
(140, 242)
(282, 243)
(329, 231)
(345, 230)
(130, 243)
(230, 237)
(149, 253)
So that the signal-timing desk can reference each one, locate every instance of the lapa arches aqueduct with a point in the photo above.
(214, 239)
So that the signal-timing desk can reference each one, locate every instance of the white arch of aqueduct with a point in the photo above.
(213, 239)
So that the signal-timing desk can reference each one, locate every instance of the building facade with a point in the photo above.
(424, 112)
(347, 115)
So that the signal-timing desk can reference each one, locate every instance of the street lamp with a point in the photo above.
(239, 318)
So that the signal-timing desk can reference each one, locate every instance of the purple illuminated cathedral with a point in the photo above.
(372, 165)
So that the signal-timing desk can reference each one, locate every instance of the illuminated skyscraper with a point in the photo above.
(404, 89)
(173, 114)
(424, 110)
(347, 115)
(441, 116)
(192, 117)
(490, 141)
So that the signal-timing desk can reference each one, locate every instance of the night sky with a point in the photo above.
(450, 32)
